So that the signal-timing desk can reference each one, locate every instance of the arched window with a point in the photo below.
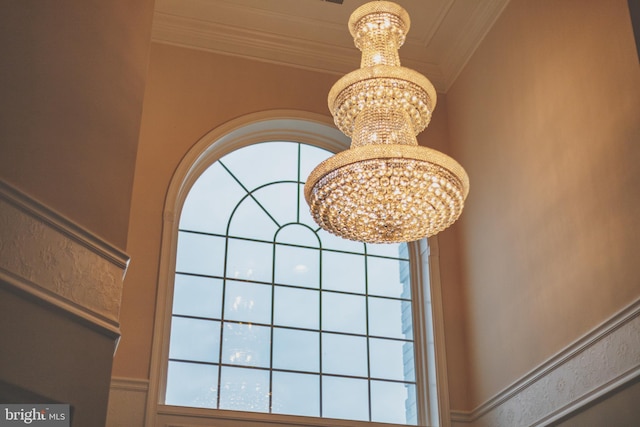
(269, 314)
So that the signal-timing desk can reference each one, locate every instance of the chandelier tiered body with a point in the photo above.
(384, 188)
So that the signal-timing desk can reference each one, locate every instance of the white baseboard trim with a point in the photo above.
(601, 361)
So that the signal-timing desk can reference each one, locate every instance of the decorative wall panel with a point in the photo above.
(48, 256)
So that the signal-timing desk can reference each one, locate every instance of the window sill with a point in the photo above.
(178, 416)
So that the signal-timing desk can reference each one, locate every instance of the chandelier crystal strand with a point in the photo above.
(385, 188)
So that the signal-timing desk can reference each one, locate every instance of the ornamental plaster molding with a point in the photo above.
(49, 257)
(598, 363)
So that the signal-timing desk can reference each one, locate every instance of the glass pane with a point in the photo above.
(296, 394)
(280, 200)
(252, 222)
(344, 355)
(297, 234)
(246, 345)
(197, 296)
(296, 350)
(310, 157)
(343, 272)
(192, 384)
(247, 302)
(296, 307)
(393, 403)
(297, 266)
(249, 260)
(345, 398)
(391, 360)
(257, 164)
(393, 250)
(343, 313)
(390, 318)
(200, 254)
(331, 241)
(194, 339)
(243, 389)
(210, 201)
(386, 276)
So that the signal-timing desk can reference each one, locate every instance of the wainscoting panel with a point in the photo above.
(127, 402)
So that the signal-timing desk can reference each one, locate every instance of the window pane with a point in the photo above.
(210, 201)
(243, 389)
(247, 302)
(258, 164)
(343, 272)
(345, 398)
(310, 157)
(200, 254)
(197, 296)
(344, 355)
(331, 241)
(392, 360)
(192, 384)
(246, 345)
(296, 350)
(252, 222)
(194, 339)
(280, 200)
(343, 313)
(393, 403)
(296, 394)
(249, 260)
(390, 318)
(297, 234)
(296, 307)
(385, 277)
(395, 250)
(297, 266)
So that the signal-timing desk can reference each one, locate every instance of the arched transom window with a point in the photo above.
(272, 314)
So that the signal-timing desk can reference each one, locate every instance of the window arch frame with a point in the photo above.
(317, 130)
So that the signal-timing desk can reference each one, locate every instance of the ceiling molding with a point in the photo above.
(273, 48)
(446, 34)
(478, 26)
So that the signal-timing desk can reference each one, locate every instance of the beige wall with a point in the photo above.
(72, 85)
(546, 120)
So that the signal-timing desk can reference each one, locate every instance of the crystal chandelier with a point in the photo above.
(384, 188)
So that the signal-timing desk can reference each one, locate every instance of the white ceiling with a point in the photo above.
(313, 34)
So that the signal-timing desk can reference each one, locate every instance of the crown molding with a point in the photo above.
(462, 49)
(269, 47)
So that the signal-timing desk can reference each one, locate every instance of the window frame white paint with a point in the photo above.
(307, 128)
